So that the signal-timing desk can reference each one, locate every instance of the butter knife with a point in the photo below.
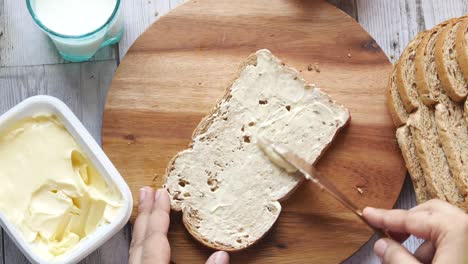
(288, 160)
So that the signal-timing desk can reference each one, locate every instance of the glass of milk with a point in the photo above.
(78, 28)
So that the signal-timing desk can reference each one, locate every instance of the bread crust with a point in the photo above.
(408, 150)
(202, 127)
(454, 139)
(440, 180)
(442, 70)
(461, 46)
(439, 125)
(427, 96)
(399, 116)
(408, 93)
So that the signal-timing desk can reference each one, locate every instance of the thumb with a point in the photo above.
(219, 257)
(391, 252)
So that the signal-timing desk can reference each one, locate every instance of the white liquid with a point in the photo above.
(73, 17)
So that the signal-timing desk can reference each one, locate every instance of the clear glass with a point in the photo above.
(83, 47)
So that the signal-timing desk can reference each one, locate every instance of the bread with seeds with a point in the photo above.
(397, 110)
(461, 46)
(427, 80)
(227, 189)
(448, 69)
(405, 77)
(408, 150)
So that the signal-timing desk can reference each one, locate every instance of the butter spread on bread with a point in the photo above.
(226, 187)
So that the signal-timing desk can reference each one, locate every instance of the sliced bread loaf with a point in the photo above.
(448, 68)
(427, 81)
(408, 150)
(397, 110)
(453, 135)
(405, 76)
(461, 46)
(440, 181)
(226, 187)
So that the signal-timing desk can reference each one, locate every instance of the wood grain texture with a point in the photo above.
(83, 88)
(347, 6)
(139, 15)
(137, 18)
(177, 70)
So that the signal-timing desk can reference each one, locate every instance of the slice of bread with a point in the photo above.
(405, 77)
(408, 150)
(448, 68)
(397, 110)
(226, 187)
(440, 181)
(461, 46)
(427, 81)
(453, 135)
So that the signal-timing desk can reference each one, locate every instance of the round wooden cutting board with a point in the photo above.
(177, 70)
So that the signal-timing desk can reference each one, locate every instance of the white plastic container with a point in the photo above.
(46, 104)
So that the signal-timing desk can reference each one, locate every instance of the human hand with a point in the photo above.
(149, 239)
(442, 225)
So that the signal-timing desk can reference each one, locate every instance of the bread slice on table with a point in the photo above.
(453, 135)
(427, 81)
(397, 110)
(405, 77)
(225, 186)
(440, 181)
(408, 150)
(448, 68)
(461, 46)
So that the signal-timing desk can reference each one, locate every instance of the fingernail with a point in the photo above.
(142, 194)
(380, 247)
(157, 194)
(221, 257)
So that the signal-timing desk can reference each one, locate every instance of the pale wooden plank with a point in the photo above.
(436, 11)
(396, 25)
(83, 88)
(23, 43)
(138, 15)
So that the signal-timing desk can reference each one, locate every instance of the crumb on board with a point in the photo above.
(359, 190)
(316, 67)
(309, 67)
(349, 55)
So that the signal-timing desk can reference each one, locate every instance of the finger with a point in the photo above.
(391, 252)
(141, 223)
(219, 257)
(425, 252)
(423, 224)
(160, 213)
(156, 247)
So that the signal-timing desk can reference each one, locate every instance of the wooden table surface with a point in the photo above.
(29, 65)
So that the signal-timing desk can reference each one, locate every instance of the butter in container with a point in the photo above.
(61, 196)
